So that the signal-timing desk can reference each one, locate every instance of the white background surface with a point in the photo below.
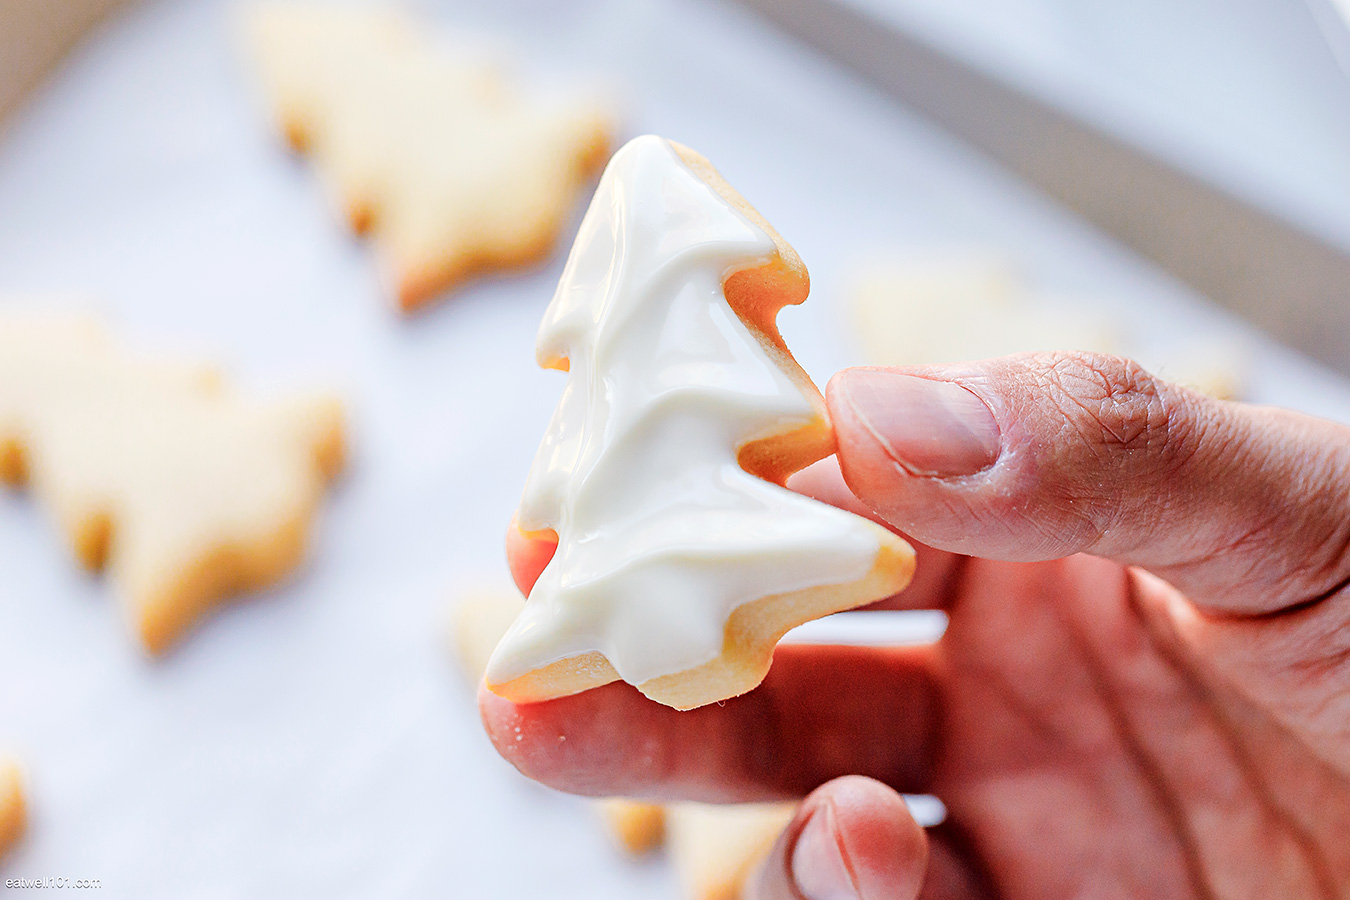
(317, 741)
(1246, 93)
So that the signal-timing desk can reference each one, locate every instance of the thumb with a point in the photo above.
(1039, 456)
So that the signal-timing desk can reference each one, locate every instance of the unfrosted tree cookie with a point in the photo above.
(635, 826)
(186, 492)
(681, 559)
(715, 849)
(479, 618)
(952, 306)
(13, 807)
(441, 160)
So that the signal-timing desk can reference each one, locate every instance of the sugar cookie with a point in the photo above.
(712, 847)
(449, 169)
(635, 827)
(13, 807)
(955, 306)
(184, 491)
(681, 558)
(950, 307)
(480, 618)
(715, 849)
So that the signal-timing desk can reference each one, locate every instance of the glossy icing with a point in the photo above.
(661, 533)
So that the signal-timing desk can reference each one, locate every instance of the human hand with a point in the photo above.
(1143, 690)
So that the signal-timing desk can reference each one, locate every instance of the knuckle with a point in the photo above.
(1112, 405)
(1112, 427)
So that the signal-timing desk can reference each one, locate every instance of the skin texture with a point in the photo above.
(1143, 691)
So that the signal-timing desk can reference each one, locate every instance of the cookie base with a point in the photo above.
(752, 632)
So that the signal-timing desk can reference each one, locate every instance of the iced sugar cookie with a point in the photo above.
(713, 847)
(442, 161)
(480, 617)
(681, 558)
(184, 490)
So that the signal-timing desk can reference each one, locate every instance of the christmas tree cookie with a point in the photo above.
(713, 848)
(186, 492)
(681, 558)
(13, 808)
(449, 169)
(716, 850)
(480, 618)
(904, 312)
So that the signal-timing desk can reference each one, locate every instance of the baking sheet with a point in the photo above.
(1272, 248)
(317, 740)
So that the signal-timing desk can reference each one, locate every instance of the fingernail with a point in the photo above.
(935, 428)
(818, 865)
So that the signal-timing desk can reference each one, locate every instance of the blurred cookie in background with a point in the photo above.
(13, 807)
(185, 491)
(636, 827)
(478, 619)
(715, 849)
(450, 168)
(955, 305)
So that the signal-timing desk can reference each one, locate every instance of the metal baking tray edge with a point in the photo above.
(1289, 281)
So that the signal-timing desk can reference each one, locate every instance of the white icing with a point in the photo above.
(661, 533)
